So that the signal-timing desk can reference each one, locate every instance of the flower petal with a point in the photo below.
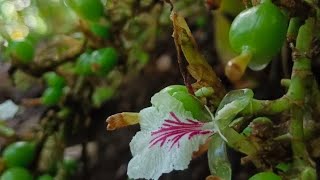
(150, 162)
(168, 137)
(152, 118)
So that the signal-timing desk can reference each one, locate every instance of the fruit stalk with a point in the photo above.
(293, 28)
(267, 107)
(301, 75)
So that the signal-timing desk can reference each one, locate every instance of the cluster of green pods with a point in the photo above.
(19, 156)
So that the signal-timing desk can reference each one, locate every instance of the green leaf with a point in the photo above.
(218, 161)
(233, 103)
(242, 95)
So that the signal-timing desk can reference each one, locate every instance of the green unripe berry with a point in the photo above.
(16, 173)
(83, 65)
(260, 31)
(99, 62)
(91, 10)
(23, 51)
(19, 154)
(51, 96)
(104, 60)
(102, 31)
(54, 80)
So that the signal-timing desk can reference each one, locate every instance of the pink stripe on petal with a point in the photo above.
(173, 130)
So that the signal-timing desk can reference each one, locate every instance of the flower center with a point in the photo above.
(173, 130)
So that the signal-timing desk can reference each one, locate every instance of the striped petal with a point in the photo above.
(168, 137)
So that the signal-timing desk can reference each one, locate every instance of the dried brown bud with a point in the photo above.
(122, 120)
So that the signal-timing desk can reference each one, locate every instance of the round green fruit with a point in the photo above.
(259, 31)
(91, 10)
(83, 65)
(104, 60)
(23, 51)
(16, 173)
(265, 176)
(51, 96)
(19, 154)
(102, 31)
(54, 80)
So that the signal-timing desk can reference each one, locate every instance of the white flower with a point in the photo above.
(168, 137)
